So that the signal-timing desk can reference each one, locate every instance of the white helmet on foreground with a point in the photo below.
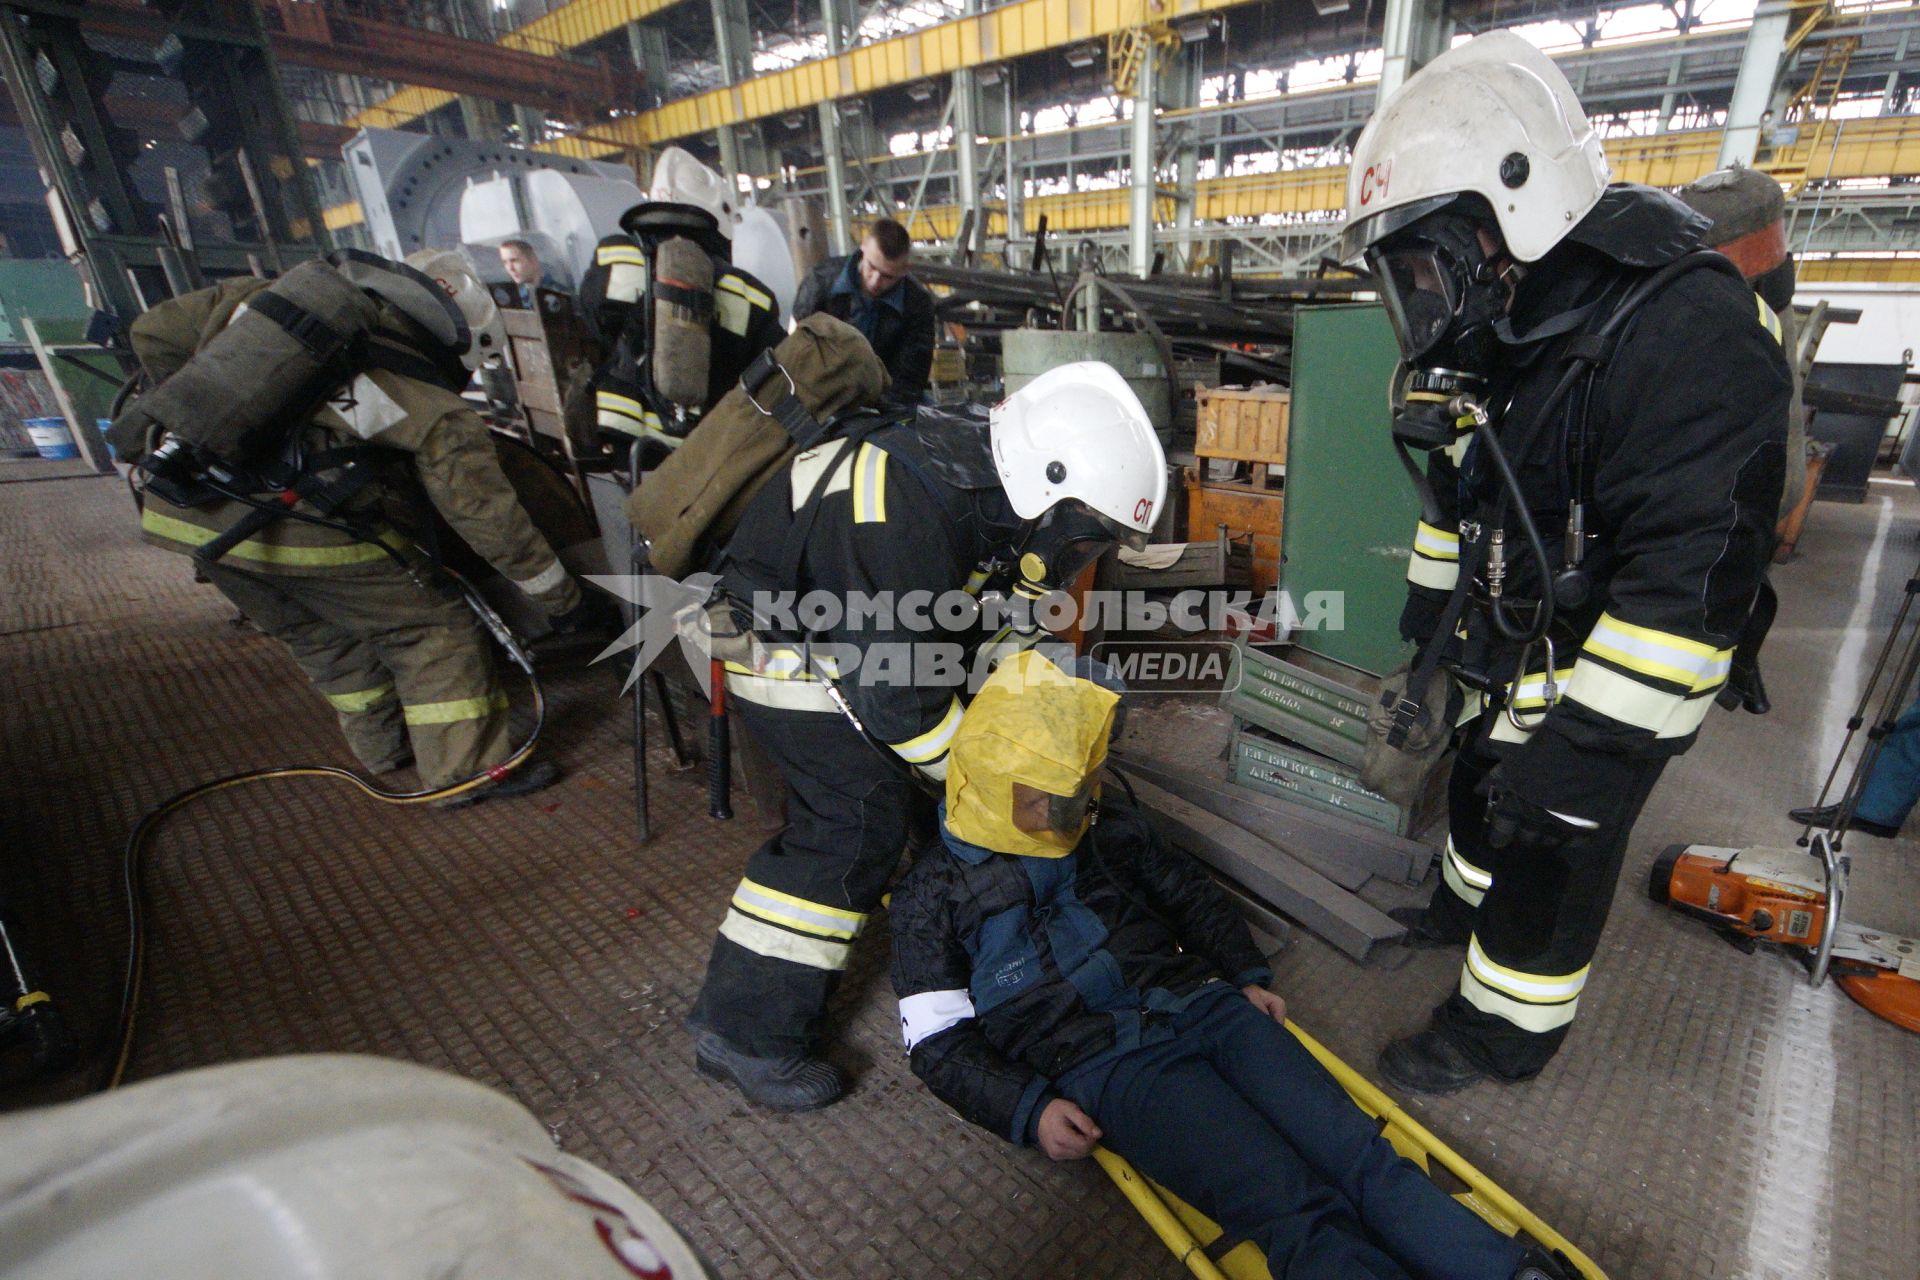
(326, 1166)
(449, 269)
(678, 178)
(1075, 450)
(1494, 117)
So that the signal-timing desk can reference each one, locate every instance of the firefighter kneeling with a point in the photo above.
(888, 510)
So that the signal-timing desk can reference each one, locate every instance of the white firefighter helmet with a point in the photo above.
(1078, 433)
(450, 269)
(678, 178)
(1493, 117)
(325, 1166)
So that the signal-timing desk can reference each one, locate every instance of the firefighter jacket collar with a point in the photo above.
(1640, 226)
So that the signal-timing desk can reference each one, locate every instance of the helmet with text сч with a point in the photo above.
(1481, 163)
(1080, 463)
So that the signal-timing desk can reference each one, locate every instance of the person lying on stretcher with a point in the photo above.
(1067, 979)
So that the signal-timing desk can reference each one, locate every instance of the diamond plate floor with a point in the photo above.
(1711, 1116)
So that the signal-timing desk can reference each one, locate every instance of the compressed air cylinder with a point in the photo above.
(682, 321)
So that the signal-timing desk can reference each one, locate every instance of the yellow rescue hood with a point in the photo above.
(1031, 723)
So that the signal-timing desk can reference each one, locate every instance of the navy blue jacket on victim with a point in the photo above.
(1014, 970)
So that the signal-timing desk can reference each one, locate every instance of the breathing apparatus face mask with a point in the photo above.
(1443, 293)
(1068, 538)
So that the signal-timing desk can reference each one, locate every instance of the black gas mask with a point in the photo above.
(1443, 293)
(1063, 542)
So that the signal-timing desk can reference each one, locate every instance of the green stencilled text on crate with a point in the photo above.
(1308, 707)
(1274, 762)
(1288, 786)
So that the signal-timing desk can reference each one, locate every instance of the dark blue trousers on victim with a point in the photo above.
(1234, 1116)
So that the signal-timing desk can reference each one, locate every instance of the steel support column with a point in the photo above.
(838, 18)
(1141, 160)
(1183, 91)
(966, 134)
(1415, 33)
(741, 149)
(1015, 173)
(1753, 88)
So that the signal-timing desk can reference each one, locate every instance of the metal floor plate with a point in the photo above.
(1710, 1116)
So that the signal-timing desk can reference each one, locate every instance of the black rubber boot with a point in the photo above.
(1428, 1062)
(1826, 815)
(792, 1083)
(524, 781)
(1541, 1265)
(1421, 934)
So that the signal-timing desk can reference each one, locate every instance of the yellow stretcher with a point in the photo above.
(1188, 1232)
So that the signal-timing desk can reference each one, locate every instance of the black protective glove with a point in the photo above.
(1420, 616)
(595, 612)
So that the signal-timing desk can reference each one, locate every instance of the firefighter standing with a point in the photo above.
(888, 512)
(1604, 410)
(395, 651)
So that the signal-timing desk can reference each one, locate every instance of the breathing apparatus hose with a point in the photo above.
(134, 858)
(1536, 546)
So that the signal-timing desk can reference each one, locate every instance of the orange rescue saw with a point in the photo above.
(1794, 898)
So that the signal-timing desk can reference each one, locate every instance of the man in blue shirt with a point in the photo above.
(873, 291)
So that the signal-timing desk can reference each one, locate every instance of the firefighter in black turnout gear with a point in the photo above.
(1603, 408)
(680, 321)
(893, 526)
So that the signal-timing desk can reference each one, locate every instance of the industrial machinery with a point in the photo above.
(422, 192)
(1797, 898)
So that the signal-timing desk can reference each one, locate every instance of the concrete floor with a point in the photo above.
(1711, 1115)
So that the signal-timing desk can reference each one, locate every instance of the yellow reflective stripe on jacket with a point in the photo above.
(784, 682)
(1436, 543)
(928, 747)
(870, 485)
(1660, 712)
(731, 283)
(1691, 664)
(1441, 575)
(1435, 561)
(734, 301)
(1653, 680)
(1529, 692)
(454, 710)
(608, 255)
(165, 526)
(360, 700)
(797, 913)
(1768, 320)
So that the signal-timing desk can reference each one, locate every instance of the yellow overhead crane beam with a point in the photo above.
(1013, 30)
(573, 24)
(1858, 271)
(1865, 148)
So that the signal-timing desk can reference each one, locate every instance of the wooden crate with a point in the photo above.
(1247, 424)
(1247, 513)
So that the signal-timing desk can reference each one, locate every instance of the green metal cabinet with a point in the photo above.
(1350, 508)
